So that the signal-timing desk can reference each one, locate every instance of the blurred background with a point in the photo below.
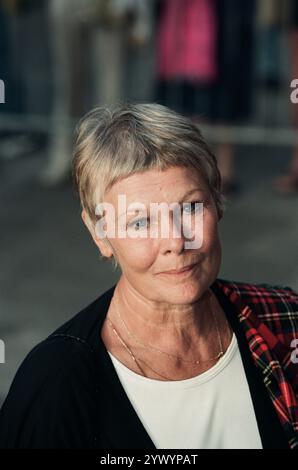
(227, 64)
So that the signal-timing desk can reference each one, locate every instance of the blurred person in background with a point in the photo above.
(89, 42)
(204, 66)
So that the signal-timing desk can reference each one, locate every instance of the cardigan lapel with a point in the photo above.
(122, 426)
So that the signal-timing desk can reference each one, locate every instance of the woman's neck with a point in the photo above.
(187, 330)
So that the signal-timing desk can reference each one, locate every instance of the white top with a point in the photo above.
(213, 410)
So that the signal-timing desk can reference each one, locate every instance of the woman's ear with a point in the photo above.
(101, 243)
(86, 220)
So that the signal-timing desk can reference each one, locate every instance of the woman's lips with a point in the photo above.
(184, 273)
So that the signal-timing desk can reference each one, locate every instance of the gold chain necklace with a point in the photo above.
(133, 356)
(136, 357)
(151, 347)
(174, 355)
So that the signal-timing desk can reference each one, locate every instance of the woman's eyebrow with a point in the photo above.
(191, 191)
(188, 193)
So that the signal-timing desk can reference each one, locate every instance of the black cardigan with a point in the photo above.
(67, 394)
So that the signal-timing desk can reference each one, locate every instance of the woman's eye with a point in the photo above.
(190, 207)
(138, 223)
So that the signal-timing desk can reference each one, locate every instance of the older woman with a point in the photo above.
(171, 356)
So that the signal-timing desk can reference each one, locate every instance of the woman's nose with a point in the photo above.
(173, 239)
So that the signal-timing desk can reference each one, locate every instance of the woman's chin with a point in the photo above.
(184, 293)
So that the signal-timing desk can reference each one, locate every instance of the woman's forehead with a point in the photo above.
(154, 183)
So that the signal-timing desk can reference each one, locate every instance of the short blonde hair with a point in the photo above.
(117, 141)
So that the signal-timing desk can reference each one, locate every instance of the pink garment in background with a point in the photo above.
(186, 40)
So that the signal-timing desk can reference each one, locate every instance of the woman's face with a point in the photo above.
(143, 259)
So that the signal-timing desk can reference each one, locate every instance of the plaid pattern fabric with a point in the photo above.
(269, 317)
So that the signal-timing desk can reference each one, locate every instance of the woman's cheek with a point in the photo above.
(208, 228)
(138, 253)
